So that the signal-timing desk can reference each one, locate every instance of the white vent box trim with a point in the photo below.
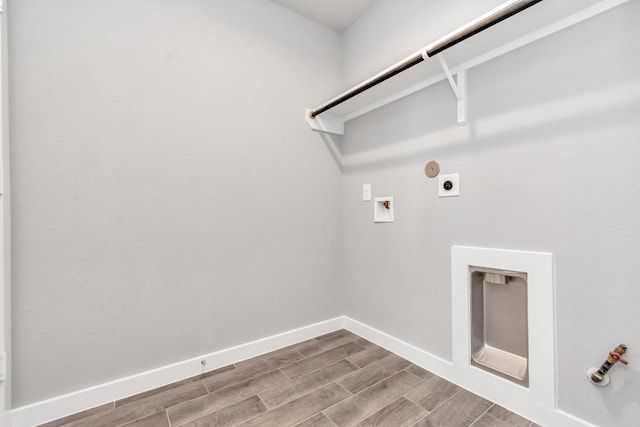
(541, 320)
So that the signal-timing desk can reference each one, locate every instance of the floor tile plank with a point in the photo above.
(508, 417)
(370, 355)
(356, 408)
(364, 343)
(487, 420)
(284, 351)
(301, 408)
(78, 416)
(313, 347)
(231, 415)
(400, 413)
(203, 405)
(318, 361)
(423, 374)
(302, 385)
(246, 371)
(374, 373)
(319, 420)
(156, 420)
(330, 334)
(144, 407)
(433, 393)
(142, 395)
(460, 411)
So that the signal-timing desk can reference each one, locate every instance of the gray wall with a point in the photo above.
(159, 213)
(169, 200)
(548, 162)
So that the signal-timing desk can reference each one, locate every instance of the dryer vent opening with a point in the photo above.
(499, 329)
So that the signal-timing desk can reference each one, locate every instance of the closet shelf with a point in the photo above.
(534, 24)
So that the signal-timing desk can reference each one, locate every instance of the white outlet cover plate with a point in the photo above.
(455, 190)
(366, 192)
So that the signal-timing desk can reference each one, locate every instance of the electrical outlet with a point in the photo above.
(449, 185)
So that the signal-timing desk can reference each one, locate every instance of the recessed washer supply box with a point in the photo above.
(383, 209)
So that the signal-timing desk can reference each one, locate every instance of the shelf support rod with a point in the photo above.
(459, 88)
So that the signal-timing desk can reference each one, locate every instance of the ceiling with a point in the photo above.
(335, 14)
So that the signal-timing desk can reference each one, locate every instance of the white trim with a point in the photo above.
(543, 415)
(61, 406)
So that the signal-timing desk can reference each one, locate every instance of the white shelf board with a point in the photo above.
(537, 22)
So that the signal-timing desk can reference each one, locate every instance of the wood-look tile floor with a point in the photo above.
(337, 379)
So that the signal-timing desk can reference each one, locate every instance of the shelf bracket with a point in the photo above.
(459, 88)
(325, 123)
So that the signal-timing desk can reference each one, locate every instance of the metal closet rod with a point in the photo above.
(491, 18)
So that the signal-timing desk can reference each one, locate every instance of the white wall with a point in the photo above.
(548, 162)
(169, 199)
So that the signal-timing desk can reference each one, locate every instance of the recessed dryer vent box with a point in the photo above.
(503, 323)
(383, 209)
(499, 330)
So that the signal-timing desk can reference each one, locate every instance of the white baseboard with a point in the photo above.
(71, 403)
(545, 416)
(61, 406)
